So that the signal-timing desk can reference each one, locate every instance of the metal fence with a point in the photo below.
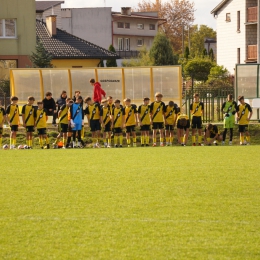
(213, 98)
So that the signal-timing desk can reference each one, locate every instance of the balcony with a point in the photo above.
(252, 52)
(252, 14)
(128, 54)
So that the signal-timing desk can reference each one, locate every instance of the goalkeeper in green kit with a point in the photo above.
(229, 110)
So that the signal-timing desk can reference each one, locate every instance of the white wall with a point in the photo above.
(228, 39)
(91, 24)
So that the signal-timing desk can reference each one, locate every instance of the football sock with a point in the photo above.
(64, 141)
(14, 141)
(41, 142)
(183, 140)
(115, 139)
(193, 138)
(208, 139)
(47, 140)
(121, 140)
(128, 141)
(82, 132)
(171, 139)
(27, 142)
(167, 139)
(147, 139)
(161, 140)
(134, 139)
(109, 141)
(224, 134)
(30, 142)
(154, 140)
(231, 134)
(248, 139)
(11, 141)
(242, 139)
(142, 139)
(1, 141)
(199, 139)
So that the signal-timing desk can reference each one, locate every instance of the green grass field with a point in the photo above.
(130, 203)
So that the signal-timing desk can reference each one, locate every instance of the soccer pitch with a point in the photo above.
(130, 203)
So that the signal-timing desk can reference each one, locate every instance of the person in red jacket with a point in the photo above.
(98, 92)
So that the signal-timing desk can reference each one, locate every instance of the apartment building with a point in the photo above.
(237, 32)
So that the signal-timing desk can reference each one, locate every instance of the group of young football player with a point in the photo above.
(108, 120)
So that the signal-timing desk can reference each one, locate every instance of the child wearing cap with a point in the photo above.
(144, 121)
(105, 119)
(157, 109)
(244, 114)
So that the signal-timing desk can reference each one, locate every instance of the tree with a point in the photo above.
(161, 51)
(41, 58)
(197, 38)
(198, 69)
(204, 53)
(177, 13)
(186, 53)
(211, 54)
(143, 59)
(112, 62)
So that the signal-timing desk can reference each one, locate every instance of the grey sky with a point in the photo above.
(202, 14)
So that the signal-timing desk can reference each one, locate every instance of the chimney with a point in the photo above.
(51, 24)
(126, 10)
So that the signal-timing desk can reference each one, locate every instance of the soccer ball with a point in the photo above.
(20, 146)
(5, 146)
(25, 147)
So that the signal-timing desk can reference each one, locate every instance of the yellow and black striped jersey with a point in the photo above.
(157, 111)
(29, 115)
(118, 114)
(41, 118)
(64, 114)
(93, 111)
(105, 113)
(130, 114)
(171, 114)
(2, 114)
(196, 108)
(144, 112)
(243, 111)
(12, 112)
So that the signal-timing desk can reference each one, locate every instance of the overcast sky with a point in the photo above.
(202, 14)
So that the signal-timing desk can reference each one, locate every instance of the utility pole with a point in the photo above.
(182, 39)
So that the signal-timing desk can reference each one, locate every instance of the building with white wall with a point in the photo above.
(237, 32)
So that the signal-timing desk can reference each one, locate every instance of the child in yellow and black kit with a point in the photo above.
(28, 116)
(105, 118)
(41, 124)
(170, 116)
(2, 120)
(12, 112)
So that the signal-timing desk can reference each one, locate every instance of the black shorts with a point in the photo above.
(212, 135)
(14, 128)
(145, 127)
(41, 131)
(130, 128)
(196, 122)
(63, 128)
(107, 127)
(158, 125)
(117, 130)
(1, 131)
(29, 129)
(243, 128)
(183, 127)
(169, 127)
(95, 125)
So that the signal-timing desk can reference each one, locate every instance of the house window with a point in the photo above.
(238, 55)
(140, 42)
(140, 26)
(120, 25)
(151, 26)
(120, 44)
(228, 17)
(7, 28)
(127, 44)
(127, 25)
(238, 21)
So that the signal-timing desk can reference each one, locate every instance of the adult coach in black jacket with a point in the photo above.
(50, 106)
